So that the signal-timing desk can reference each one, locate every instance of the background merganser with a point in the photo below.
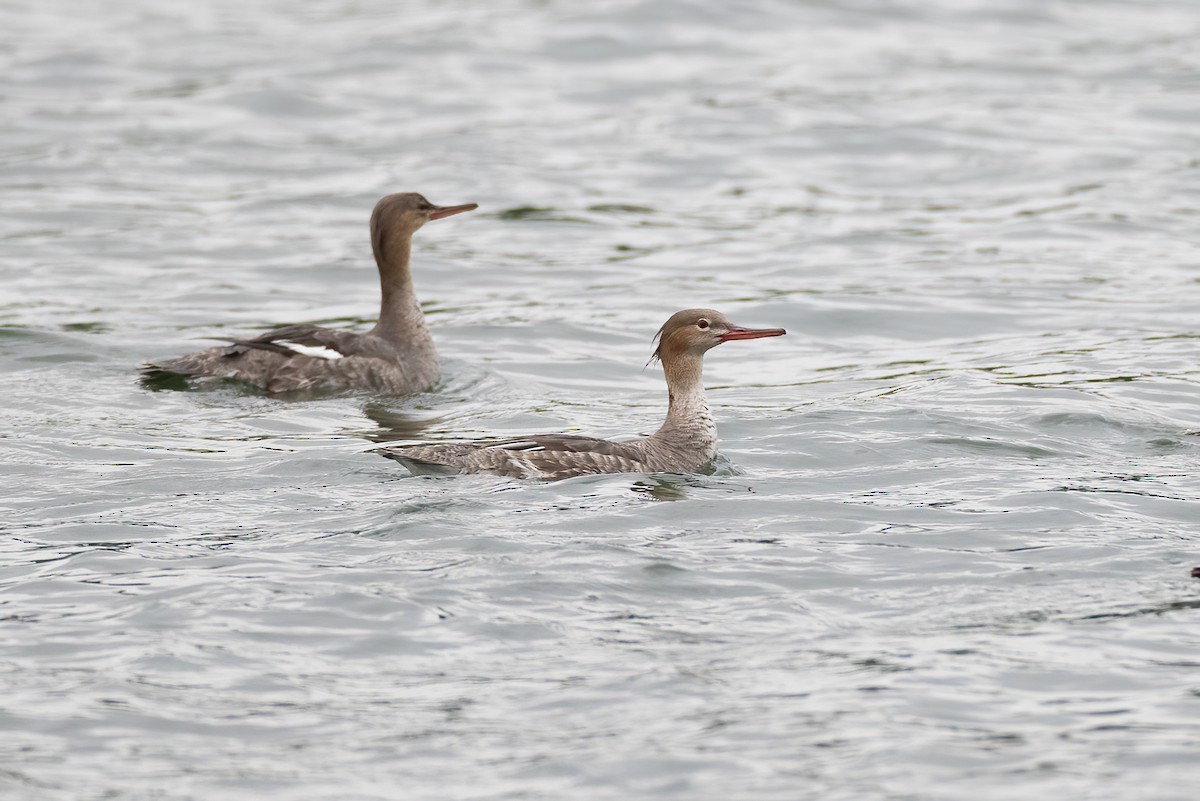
(397, 356)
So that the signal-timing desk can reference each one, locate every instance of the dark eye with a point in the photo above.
(702, 324)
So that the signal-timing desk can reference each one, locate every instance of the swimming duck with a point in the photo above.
(397, 356)
(685, 443)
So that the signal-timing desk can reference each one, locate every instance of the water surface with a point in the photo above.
(946, 548)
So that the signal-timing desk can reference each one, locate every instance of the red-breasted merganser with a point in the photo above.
(396, 356)
(685, 443)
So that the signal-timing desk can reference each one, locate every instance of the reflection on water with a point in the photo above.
(945, 548)
(396, 425)
(664, 487)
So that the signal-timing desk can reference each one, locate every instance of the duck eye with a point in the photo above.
(702, 324)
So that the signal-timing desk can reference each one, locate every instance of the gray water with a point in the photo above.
(944, 553)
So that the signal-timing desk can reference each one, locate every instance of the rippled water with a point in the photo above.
(946, 549)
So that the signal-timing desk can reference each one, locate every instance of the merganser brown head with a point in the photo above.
(697, 331)
(405, 212)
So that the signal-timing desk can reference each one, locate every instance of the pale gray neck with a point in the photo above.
(689, 427)
(401, 321)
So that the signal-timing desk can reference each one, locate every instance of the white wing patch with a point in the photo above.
(524, 445)
(316, 351)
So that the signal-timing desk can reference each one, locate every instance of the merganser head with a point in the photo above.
(697, 331)
(405, 212)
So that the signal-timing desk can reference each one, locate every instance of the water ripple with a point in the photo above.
(946, 547)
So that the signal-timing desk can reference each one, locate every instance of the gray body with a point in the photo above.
(682, 445)
(368, 361)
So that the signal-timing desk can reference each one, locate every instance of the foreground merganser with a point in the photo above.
(685, 443)
(396, 356)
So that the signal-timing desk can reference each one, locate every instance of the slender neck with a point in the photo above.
(687, 413)
(687, 440)
(400, 317)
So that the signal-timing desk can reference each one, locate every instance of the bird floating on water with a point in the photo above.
(397, 356)
(685, 443)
